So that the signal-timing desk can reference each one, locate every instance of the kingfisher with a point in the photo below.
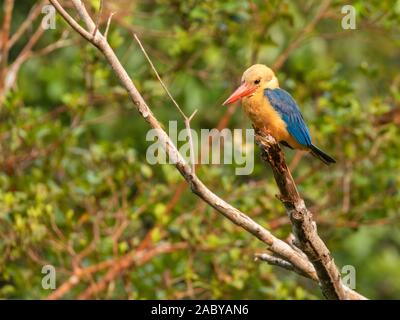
(274, 111)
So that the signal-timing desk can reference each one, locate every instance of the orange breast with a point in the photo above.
(265, 118)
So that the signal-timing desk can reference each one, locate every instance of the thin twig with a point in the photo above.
(116, 266)
(25, 54)
(276, 261)
(98, 19)
(191, 146)
(108, 24)
(76, 26)
(84, 15)
(158, 76)
(32, 15)
(136, 258)
(185, 118)
(52, 47)
(4, 38)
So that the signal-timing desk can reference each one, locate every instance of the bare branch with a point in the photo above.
(138, 258)
(4, 38)
(32, 15)
(52, 47)
(276, 261)
(191, 146)
(87, 20)
(304, 228)
(98, 19)
(75, 25)
(108, 24)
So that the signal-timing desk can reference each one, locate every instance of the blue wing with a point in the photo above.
(285, 105)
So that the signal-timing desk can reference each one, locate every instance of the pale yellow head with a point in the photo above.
(255, 79)
(261, 76)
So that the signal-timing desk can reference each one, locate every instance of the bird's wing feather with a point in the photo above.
(285, 105)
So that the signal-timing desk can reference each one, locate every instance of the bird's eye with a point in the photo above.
(257, 81)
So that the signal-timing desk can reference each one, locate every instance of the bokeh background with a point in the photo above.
(76, 191)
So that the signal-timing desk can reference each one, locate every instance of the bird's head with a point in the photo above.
(255, 79)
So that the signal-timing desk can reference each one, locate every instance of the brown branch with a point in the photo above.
(75, 25)
(304, 228)
(277, 246)
(98, 18)
(276, 261)
(4, 47)
(27, 50)
(9, 71)
(108, 24)
(32, 15)
(137, 259)
(84, 15)
(52, 47)
(76, 277)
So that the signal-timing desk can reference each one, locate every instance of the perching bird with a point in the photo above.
(273, 110)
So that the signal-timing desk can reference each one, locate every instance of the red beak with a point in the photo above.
(243, 91)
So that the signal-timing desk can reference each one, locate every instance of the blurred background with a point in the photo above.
(77, 193)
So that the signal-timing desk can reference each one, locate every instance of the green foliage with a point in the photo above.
(76, 189)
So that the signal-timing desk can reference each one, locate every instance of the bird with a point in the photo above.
(274, 111)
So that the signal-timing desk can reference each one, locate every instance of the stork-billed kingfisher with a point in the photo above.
(274, 111)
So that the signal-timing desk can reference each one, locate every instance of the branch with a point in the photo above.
(98, 18)
(276, 261)
(9, 70)
(75, 25)
(32, 15)
(108, 24)
(304, 228)
(80, 7)
(4, 39)
(139, 258)
(277, 246)
(25, 54)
